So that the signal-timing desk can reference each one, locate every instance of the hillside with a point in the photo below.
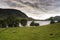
(48, 32)
(12, 12)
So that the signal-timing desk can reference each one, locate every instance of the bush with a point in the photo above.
(52, 20)
(12, 22)
(3, 23)
(16, 23)
(34, 24)
(23, 22)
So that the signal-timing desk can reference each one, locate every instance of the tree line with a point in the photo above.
(12, 21)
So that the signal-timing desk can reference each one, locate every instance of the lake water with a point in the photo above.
(41, 23)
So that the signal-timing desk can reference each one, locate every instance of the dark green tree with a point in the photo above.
(12, 21)
(32, 23)
(23, 22)
(36, 24)
(16, 23)
(52, 20)
(3, 23)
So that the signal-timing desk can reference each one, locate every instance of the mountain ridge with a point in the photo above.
(12, 12)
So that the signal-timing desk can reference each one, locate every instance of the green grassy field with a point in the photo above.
(48, 32)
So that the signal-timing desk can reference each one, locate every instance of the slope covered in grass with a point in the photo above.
(49, 32)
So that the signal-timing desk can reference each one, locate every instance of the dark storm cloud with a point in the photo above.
(38, 4)
(12, 4)
(45, 4)
(28, 3)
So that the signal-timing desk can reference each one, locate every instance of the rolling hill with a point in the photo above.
(12, 12)
(48, 32)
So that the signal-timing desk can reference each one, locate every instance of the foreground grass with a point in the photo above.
(49, 32)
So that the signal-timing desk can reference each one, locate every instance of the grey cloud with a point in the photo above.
(38, 4)
(27, 3)
(45, 4)
(12, 4)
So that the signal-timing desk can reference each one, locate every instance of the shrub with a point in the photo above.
(34, 24)
(52, 20)
(23, 22)
(3, 23)
(12, 22)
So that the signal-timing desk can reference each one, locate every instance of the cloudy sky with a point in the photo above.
(37, 9)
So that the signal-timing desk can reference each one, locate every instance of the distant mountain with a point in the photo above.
(57, 18)
(12, 12)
